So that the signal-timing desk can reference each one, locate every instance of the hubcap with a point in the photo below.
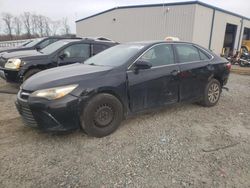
(103, 116)
(213, 93)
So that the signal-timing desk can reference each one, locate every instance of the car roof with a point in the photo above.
(157, 42)
(87, 41)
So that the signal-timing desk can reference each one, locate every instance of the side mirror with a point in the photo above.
(62, 56)
(142, 65)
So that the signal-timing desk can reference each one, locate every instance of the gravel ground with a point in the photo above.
(185, 145)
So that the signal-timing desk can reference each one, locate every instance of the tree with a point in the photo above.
(34, 24)
(8, 19)
(40, 23)
(55, 25)
(47, 29)
(17, 25)
(26, 17)
(65, 26)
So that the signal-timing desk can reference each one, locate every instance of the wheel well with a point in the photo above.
(219, 79)
(116, 96)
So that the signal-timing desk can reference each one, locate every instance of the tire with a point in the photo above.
(212, 93)
(30, 73)
(102, 115)
(241, 64)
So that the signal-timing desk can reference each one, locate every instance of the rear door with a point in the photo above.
(74, 53)
(157, 85)
(195, 70)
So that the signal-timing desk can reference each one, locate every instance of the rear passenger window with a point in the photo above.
(159, 55)
(77, 51)
(97, 48)
(187, 53)
(203, 56)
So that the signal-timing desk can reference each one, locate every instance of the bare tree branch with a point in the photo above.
(34, 23)
(8, 19)
(55, 25)
(17, 25)
(26, 17)
(47, 28)
(65, 26)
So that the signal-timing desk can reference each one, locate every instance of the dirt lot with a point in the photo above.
(181, 146)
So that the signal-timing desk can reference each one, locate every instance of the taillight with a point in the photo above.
(229, 66)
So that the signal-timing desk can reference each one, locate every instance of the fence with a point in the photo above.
(12, 43)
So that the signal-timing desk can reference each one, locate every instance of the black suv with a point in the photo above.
(35, 44)
(120, 81)
(19, 66)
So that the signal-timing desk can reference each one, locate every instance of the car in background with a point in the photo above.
(19, 66)
(35, 44)
(120, 81)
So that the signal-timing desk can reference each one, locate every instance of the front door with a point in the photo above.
(73, 54)
(157, 85)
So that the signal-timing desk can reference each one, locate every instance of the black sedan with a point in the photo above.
(121, 81)
(19, 66)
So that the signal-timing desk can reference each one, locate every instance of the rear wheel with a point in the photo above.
(30, 73)
(212, 93)
(102, 115)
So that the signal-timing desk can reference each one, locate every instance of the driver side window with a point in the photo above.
(159, 55)
(77, 51)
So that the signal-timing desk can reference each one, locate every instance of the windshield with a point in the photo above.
(53, 47)
(34, 42)
(25, 43)
(115, 56)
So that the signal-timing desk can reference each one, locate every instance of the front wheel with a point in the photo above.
(212, 93)
(102, 115)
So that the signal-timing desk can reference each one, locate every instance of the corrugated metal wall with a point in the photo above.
(191, 22)
(147, 23)
(220, 21)
(246, 24)
(202, 25)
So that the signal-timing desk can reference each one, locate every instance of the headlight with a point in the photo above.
(54, 93)
(13, 64)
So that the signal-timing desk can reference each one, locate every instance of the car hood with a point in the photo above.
(9, 48)
(65, 75)
(13, 49)
(23, 54)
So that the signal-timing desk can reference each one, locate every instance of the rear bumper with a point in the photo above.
(58, 115)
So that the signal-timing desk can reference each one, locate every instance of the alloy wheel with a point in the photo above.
(213, 93)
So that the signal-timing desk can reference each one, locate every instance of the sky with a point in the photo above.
(77, 9)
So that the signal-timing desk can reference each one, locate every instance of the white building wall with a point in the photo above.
(202, 25)
(188, 22)
(145, 23)
(246, 24)
(220, 21)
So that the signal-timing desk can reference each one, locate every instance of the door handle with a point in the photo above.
(175, 72)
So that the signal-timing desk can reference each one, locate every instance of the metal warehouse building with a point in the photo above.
(194, 21)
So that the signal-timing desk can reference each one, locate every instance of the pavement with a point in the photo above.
(240, 70)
